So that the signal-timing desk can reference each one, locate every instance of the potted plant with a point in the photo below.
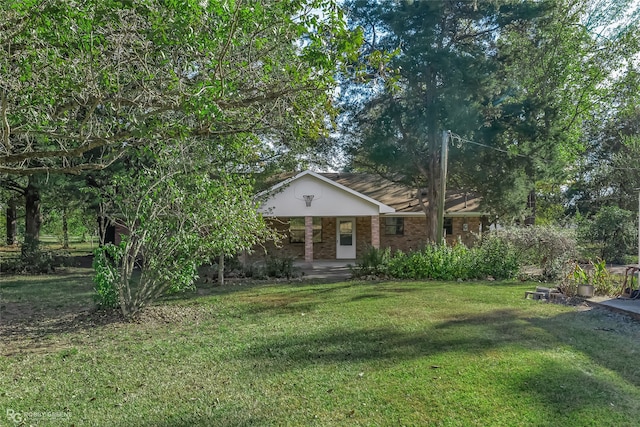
(597, 279)
(581, 278)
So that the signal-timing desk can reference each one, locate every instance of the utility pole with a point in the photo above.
(444, 158)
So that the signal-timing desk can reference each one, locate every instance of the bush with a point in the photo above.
(496, 257)
(280, 267)
(612, 230)
(105, 278)
(255, 271)
(549, 248)
(440, 262)
(596, 274)
(36, 262)
(374, 261)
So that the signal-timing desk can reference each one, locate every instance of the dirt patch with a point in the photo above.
(28, 330)
(41, 331)
(174, 314)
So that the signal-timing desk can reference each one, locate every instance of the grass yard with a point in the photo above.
(350, 353)
(49, 243)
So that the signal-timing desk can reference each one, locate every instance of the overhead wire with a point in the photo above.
(457, 137)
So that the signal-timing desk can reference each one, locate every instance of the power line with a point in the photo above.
(458, 138)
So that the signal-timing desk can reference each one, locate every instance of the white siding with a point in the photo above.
(328, 200)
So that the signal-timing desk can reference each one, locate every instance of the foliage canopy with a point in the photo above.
(82, 81)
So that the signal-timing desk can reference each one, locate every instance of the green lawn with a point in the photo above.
(351, 353)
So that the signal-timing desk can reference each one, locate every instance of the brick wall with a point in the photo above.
(467, 237)
(326, 249)
(415, 233)
(321, 250)
(363, 235)
(414, 237)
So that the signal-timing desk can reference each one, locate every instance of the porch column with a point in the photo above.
(308, 239)
(375, 231)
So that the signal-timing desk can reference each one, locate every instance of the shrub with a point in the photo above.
(612, 230)
(106, 273)
(573, 276)
(36, 262)
(280, 267)
(496, 257)
(439, 262)
(603, 282)
(374, 261)
(549, 248)
(255, 271)
(597, 275)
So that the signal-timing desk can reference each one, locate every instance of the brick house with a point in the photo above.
(329, 216)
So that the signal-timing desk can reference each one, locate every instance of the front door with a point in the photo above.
(346, 238)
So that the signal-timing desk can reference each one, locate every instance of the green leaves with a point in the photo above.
(81, 81)
(495, 257)
(106, 275)
(183, 204)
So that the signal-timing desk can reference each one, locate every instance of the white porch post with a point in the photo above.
(375, 231)
(308, 239)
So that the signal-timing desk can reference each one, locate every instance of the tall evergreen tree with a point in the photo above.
(494, 73)
(443, 59)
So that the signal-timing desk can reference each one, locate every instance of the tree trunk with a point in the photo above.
(12, 222)
(106, 230)
(33, 218)
(65, 229)
(221, 271)
(430, 200)
(530, 219)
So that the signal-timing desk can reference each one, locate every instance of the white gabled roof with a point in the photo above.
(271, 193)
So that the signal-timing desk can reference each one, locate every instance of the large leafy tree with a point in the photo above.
(604, 193)
(81, 80)
(561, 71)
(513, 79)
(610, 175)
(188, 98)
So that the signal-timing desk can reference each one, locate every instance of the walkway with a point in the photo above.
(630, 307)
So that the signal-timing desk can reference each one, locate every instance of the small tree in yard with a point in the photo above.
(179, 215)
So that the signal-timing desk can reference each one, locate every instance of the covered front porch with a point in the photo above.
(309, 239)
(322, 219)
(343, 238)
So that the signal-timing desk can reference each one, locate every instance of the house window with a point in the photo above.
(394, 225)
(296, 230)
(448, 226)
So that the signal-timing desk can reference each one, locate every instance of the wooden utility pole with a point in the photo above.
(444, 158)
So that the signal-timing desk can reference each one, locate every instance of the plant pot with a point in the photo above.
(585, 290)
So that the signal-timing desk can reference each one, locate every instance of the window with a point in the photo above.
(296, 230)
(394, 225)
(345, 230)
(448, 226)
